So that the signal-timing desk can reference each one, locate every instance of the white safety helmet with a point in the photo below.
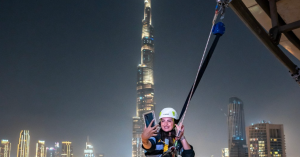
(168, 112)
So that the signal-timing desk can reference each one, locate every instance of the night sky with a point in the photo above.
(68, 71)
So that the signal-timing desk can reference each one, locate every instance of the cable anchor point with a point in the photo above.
(222, 5)
(296, 75)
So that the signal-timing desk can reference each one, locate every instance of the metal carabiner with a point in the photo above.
(222, 4)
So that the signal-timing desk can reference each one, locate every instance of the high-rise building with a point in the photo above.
(89, 149)
(265, 139)
(24, 142)
(50, 152)
(40, 149)
(145, 80)
(56, 147)
(225, 152)
(66, 149)
(238, 148)
(236, 128)
(5, 148)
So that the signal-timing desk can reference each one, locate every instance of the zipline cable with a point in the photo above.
(218, 30)
(182, 115)
(199, 76)
(196, 82)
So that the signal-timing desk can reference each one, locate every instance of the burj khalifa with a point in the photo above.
(145, 81)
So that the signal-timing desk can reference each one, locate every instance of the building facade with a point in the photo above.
(66, 149)
(236, 128)
(40, 149)
(50, 152)
(145, 81)
(238, 148)
(265, 139)
(56, 147)
(24, 143)
(225, 152)
(5, 148)
(89, 149)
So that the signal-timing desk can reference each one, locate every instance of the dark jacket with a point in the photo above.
(157, 147)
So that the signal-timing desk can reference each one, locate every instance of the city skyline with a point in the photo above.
(234, 103)
(41, 149)
(68, 71)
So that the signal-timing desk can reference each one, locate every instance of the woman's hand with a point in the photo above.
(149, 132)
(180, 129)
(185, 144)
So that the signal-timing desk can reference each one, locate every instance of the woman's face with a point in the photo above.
(167, 124)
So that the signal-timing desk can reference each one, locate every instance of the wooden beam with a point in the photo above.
(245, 15)
(264, 4)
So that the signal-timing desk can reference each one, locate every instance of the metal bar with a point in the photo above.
(245, 15)
(273, 12)
(290, 35)
(290, 26)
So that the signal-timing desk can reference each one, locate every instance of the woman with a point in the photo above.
(160, 143)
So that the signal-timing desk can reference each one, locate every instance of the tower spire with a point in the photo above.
(147, 11)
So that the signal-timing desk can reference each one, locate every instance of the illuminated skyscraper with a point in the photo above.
(236, 128)
(89, 149)
(5, 148)
(225, 152)
(66, 149)
(40, 149)
(265, 139)
(50, 152)
(24, 142)
(56, 147)
(145, 81)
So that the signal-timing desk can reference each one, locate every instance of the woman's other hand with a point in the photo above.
(179, 128)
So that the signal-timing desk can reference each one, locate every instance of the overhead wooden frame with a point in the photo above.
(259, 31)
